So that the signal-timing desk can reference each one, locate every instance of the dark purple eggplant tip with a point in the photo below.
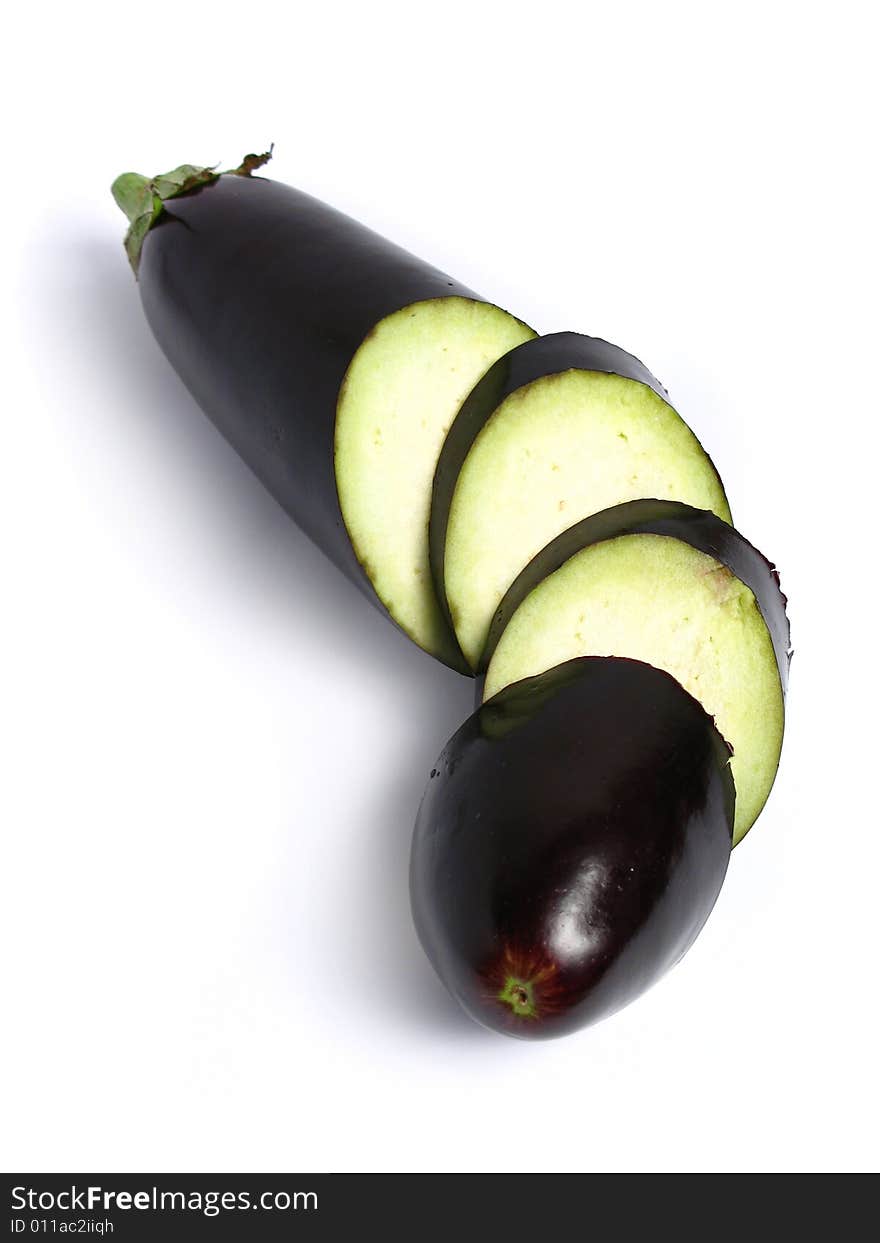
(572, 840)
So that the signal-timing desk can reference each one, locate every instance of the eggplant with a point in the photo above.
(572, 840)
(561, 427)
(661, 582)
(331, 359)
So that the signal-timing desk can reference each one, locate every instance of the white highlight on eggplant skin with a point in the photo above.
(401, 393)
(572, 933)
(656, 599)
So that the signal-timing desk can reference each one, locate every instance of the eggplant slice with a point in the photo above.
(679, 589)
(560, 428)
(400, 395)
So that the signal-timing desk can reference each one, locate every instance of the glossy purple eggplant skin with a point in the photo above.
(700, 528)
(260, 295)
(571, 843)
(543, 356)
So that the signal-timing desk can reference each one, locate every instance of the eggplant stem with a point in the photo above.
(251, 163)
(143, 199)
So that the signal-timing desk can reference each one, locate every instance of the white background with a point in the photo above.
(213, 750)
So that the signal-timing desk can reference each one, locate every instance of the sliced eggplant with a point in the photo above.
(329, 357)
(675, 587)
(571, 843)
(401, 392)
(561, 427)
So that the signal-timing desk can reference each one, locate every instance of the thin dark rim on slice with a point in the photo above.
(700, 528)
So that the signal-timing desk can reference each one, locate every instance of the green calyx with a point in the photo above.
(520, 996)
(143, 198)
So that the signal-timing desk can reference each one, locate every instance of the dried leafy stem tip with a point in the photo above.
(251, 163)
(142, 198)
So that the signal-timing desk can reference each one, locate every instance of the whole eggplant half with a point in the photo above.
(332, 360)
(572, 840)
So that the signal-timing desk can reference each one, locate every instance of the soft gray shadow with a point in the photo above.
(253, 538)
(408, 987)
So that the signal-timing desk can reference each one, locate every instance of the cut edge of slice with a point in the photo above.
(400, 395)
